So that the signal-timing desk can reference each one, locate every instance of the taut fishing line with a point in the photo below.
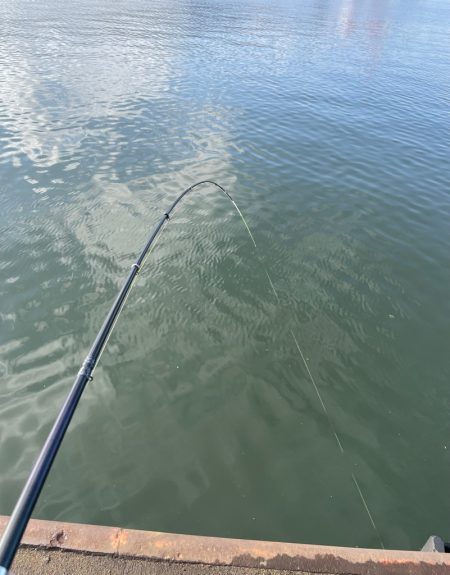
(319, 395)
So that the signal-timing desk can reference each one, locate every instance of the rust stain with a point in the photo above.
(118, 539)
(115, 541)
(160, 544)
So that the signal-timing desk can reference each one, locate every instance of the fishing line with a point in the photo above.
(316, 388)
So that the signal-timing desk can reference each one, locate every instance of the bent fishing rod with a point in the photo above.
(33, 487)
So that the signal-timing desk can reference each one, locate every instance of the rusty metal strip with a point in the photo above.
(234, 552)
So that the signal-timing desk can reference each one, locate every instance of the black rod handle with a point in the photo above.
(33, 487)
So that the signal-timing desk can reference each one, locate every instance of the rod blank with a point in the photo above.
(33, 487)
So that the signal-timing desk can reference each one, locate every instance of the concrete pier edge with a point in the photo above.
(214, 551)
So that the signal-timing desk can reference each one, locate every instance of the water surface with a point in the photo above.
(328, 121)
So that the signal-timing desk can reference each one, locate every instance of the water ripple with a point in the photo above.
(328, 123)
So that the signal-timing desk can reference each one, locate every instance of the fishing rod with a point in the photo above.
(33, 487)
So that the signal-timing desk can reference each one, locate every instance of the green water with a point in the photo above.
(328, 121)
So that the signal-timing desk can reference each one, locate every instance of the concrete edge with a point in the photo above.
(229, 552)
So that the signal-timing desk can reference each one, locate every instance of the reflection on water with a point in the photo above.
(327, 120)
